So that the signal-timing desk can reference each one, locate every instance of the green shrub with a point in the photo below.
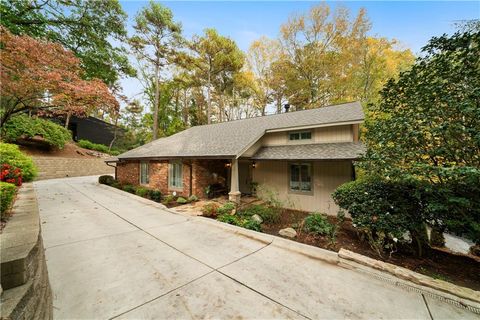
(106, 179)
(98, 147)
(155, 195)
(23, 126)
(168, 199)
(318, 224)
(239, 221)
(192, 198)
(142, 191)
(385, 210)
(210, 210)
(7, 194)
(116, 184)
(11, 155)
(267, 213)
(181, 200)
(226, 208)
(129, 188)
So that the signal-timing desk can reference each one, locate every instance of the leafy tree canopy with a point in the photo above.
(427, 123)
(87, 28)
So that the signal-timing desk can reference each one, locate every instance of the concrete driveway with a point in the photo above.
(112, 255)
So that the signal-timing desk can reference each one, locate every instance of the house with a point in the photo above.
(299, 157)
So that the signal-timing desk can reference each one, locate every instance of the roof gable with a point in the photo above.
(230, 139)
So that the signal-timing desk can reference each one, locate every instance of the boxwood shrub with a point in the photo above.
(106, 179)
(11, 154)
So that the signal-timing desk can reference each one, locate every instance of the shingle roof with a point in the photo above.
(324, 151)
(230, 139)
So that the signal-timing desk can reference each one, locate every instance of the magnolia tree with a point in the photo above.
(44, 78)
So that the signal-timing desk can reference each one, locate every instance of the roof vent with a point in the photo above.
(287, 107)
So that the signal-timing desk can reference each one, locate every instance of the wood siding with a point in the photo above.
(272, 176)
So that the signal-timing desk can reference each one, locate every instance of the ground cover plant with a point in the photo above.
(98, 147)
(7, 195)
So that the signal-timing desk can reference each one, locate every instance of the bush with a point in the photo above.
(181, 200)
(240, 221)
(106, 179)
(11, 174)
(385, 211)
(98, 147)
(210, 210)
(318, 224)
(155, 195)
(169, 198)
(226, 208)
(10, 154)
(23, 126)
(142, 191)
(192, 198)
(129, 188)
(268, 214)
(7, 194)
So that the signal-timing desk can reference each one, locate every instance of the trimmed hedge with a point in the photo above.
(11, 154)
(106, 179)
(23, 126)
(7, 194)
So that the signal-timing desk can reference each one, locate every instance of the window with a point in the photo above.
(301, 135)
(175, 175)
(144, 177)
(301, 177)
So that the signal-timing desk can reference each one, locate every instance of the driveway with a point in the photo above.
(112, 255)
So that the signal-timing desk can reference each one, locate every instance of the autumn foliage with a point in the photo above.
(45, 78)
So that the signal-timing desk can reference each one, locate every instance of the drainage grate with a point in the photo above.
(425, 293)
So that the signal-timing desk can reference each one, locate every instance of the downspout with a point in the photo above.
(191, 178)
(115, 166)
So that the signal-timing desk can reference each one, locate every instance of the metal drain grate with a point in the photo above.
(425, 293)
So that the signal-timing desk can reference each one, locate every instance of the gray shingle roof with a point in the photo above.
(230, 139)
(324, 151)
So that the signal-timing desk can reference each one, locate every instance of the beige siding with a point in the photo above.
(319, 135)
(272, 177)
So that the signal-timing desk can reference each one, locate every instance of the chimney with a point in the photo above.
(287, 107)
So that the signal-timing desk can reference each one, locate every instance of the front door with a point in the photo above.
(244, 177)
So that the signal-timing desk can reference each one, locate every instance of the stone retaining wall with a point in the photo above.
(51, 167)
(24, 276)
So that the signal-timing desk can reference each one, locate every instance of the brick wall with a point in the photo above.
(202, 175)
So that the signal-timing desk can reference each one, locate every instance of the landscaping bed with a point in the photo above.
(458, 269)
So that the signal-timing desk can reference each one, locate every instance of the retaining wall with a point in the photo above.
(52, 167)
(24, 277)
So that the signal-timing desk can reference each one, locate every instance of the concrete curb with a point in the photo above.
(411, 276)
(343, 258)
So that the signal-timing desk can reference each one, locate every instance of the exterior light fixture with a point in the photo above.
(254, 164)
(228, 165)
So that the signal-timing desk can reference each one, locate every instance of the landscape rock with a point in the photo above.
(288, 232)
(257, 218)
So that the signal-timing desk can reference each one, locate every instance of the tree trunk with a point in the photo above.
(114, 132)
(209, 102)
(155, 107)
(185, 107)
(279, 105)
(67, 121)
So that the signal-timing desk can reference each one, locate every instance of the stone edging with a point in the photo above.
(24, 277)
(343, 258)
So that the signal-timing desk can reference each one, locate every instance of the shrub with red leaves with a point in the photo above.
(11, 174)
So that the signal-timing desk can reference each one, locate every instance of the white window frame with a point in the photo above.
(172, 166)
(300, 191)
(144, 165)
(299, 135)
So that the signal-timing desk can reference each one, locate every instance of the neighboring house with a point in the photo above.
(300, 157)
(91, 129)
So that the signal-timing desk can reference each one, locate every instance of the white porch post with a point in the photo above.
(234, 194)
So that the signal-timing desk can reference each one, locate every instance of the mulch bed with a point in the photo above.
(458, 269)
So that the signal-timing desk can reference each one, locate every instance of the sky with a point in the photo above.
(413, 23)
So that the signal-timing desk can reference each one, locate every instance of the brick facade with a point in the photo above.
(203, 173)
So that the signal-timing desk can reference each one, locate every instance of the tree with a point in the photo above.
(156, 39)
(217, 59)
(44, 77)
(84, 27)
(427, 123)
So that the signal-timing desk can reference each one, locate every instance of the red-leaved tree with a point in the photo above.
(45, 78)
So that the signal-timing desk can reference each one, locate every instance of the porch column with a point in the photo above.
(234, 194)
